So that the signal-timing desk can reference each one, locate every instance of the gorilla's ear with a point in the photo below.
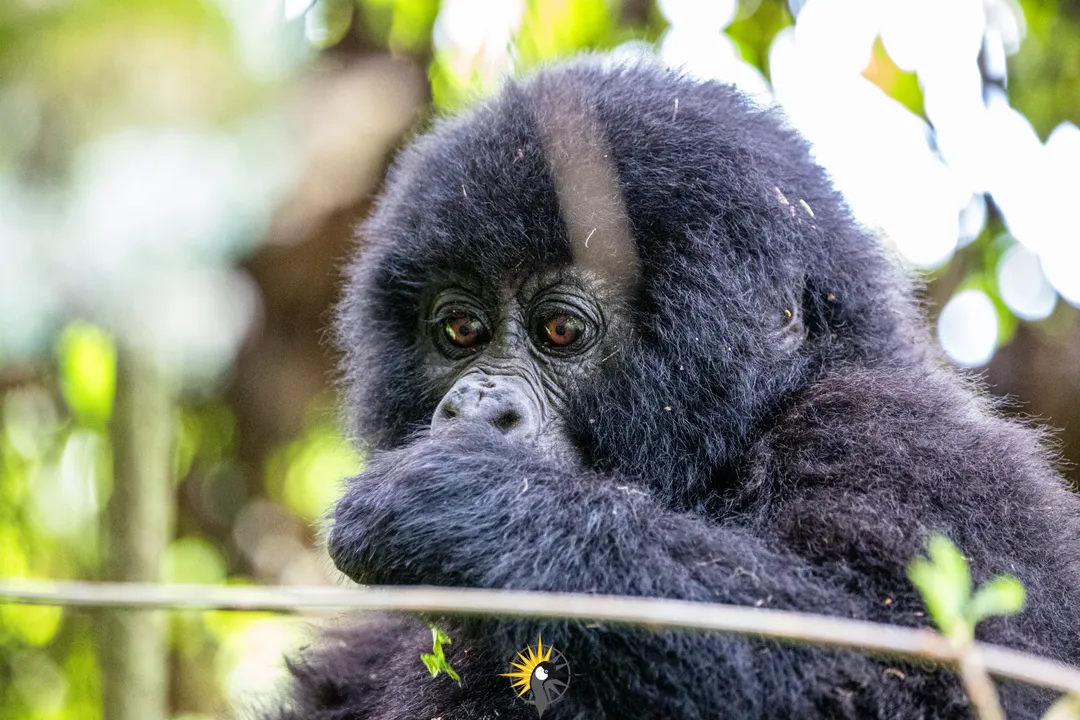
(792, 332)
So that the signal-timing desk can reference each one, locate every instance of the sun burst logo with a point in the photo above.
(544, 673)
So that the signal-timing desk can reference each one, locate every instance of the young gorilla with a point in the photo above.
(614, 332)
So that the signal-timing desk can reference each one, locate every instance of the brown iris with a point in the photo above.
(561, 331)
(465, 331)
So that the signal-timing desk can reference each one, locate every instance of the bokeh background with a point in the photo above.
(179, 185)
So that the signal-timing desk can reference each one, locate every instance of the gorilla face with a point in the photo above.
(509, 357)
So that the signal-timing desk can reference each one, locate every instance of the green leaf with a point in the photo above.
(451, 672)
(945, 584)
(1004, 595)
(1066, 708)
(944, 581)
(951, 563)
(431, 663)
(439, 638)
(435, 661)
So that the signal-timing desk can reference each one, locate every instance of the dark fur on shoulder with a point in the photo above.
(727, 462)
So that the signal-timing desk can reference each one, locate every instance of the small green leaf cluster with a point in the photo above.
(435, 661)
(944, 580)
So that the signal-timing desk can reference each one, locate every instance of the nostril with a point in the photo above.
(507, 420)
(449, 412)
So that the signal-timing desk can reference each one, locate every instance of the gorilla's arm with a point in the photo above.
(468, 509)
(471, 510)
(858, 472)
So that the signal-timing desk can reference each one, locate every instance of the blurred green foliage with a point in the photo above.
(401, 26)
(56, 473)
(307, 474)
(72, 71)
(86, 357)
(1045, 76)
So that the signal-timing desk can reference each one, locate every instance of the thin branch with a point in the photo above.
(978, 685)
(909, 643)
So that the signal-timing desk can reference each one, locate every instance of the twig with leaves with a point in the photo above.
(944, 580)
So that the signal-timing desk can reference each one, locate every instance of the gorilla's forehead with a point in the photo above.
(604, 168)
(476, 196)
(520, 287)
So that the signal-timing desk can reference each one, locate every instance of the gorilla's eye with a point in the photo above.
(560, 331)
(465, 331)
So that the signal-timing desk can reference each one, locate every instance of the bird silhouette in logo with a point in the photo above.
(544, 673)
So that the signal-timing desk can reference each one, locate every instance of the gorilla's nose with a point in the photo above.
(503, 403)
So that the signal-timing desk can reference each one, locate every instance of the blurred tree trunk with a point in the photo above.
(139, 526)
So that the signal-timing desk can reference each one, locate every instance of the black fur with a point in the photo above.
(726, 464)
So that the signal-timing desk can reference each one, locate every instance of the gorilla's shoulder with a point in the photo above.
(867, 460)
(913, 419)
(925, 438)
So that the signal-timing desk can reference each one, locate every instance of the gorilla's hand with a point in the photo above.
(468, 508)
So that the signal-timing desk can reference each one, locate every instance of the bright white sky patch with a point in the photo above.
(924, 35)
(1062, 267)
(143, 242)
(838, 33)
(972, 219)
(696, 44)
(292, 9)
(968, 328)
(711, 55)
(1023, 286)
(477, 34)
(475, 25)
(1061, 247)
(877, 151)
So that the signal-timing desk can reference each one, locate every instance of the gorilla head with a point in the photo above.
(632, 268)
(613, 331)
